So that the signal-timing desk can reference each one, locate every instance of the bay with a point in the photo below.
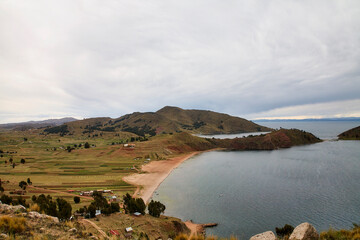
(250, 192)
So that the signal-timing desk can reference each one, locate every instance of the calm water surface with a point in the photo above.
(254, 191)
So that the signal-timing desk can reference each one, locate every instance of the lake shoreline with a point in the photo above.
(155, 173)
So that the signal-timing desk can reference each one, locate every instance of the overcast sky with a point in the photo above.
(253, 59)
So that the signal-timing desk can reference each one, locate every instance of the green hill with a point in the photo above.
(352, 134)
(166, 120)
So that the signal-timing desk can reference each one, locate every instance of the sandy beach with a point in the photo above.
(155, 173)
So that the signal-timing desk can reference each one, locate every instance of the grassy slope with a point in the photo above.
(215, 123)
(352, 134)
(163, 227)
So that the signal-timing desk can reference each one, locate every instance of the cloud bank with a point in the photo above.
(253, 59)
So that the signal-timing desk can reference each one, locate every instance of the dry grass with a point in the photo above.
(12, 225)
(35, 207)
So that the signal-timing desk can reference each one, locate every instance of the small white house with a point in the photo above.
(97, 212)
(128, 229)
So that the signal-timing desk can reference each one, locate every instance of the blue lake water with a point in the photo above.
(249, 192)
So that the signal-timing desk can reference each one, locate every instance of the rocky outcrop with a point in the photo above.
(304, 231)
(269, 235)
(4, 208)
(42, 216)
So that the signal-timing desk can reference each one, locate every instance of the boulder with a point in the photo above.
(4, 236)
(5, 208)
(304, 231)
(73, 230)
(269, 235)
(42, 216)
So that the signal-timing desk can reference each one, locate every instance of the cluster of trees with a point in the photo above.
(198, 124)
(141, 131)
(59, 208)
(73, 147)
(62, 130)
(132, 205)
(23, 184)
(156, 208)
(9, 200)
(99, 203)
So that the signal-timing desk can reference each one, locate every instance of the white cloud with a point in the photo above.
(246, 58)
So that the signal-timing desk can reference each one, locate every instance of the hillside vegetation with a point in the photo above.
(352, 134)
(166, 120)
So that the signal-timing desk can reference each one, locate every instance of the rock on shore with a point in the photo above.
(304, 231)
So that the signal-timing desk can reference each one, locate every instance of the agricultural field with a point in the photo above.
(59, 172)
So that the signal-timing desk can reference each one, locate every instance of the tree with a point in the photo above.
(86, 145)
(23, 184)
(91, 210)
(64, 209)
(115, 207)
(156, 208)
(22, 161)
(2, 189)
(20, 201)
(76, 199)
(11, 160)
(29, 182)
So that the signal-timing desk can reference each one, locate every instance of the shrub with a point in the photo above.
(22, 161)
(23, 184)
(6, 199)
(86, 145)
(284, 231)
(76, 199)
(12, 225)
(35, 207)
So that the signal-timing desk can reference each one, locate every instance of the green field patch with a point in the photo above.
(104, 165)
(38, 173)
(71, 168)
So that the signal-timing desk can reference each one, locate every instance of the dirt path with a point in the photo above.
(56, 191)
(194, 228)
(85, 221)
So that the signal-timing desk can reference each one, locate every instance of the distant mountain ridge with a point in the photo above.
(166, 120)
(309, 119)
(36, 124)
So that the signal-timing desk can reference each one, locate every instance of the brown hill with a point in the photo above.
(166, 120)
(352, 134)
(283, 138)
(208, 122)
